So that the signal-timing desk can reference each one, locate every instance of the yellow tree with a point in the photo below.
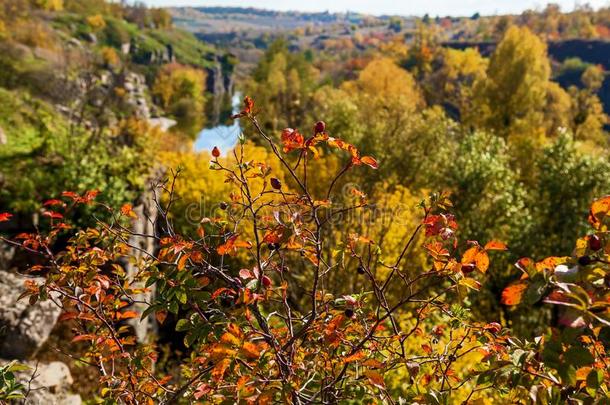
(181, 91)
(385, 97)
(511, 99)
(588, 118)
(50, 5)
(452, 85)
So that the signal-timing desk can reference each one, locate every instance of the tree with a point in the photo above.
(285, 82)
(452, 84)
(161, 18)
(181, 91)
(588, 116)
(510, 101)
(50, 5)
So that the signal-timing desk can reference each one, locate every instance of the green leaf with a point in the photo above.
(183, 325)
(578, 356)
(181, 295)
(173, 307)
(595, 379)
(150, 281)
(18, 367)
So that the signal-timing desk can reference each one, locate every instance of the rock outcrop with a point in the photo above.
(23, 327)
(135, 86)
(47, 384)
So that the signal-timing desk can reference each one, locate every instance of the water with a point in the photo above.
(223, 136)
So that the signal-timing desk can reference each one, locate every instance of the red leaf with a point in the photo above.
(248, 105)
(83, 337)
(5, 216)
(52, 203)
(245, 274)
(70, 194)
(52, 214)
(202, 389)
(292, 139)
(90, 196)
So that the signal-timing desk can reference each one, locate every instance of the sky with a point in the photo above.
(399, 7)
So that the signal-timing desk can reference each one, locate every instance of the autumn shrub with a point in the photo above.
(258, 290)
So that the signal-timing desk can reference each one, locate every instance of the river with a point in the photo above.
(223, 136)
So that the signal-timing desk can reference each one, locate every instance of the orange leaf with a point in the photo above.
(550, 263)
(220, 369)
(370, 161)
(436, 249)
(495, 245)
(229, 338)
(83, 337)
(235, 330)
(372, 363)
(513, 294)
(470, 255)
(355, 357)
(127, 315)
(127, 210)
(375, 378)
(70, 194)
(598, 211)
(273, 235)
(250, 350)
(182, 262)
(482, 261)
(67, 316)
(52, 203)
(160, 316)
(231, 245)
